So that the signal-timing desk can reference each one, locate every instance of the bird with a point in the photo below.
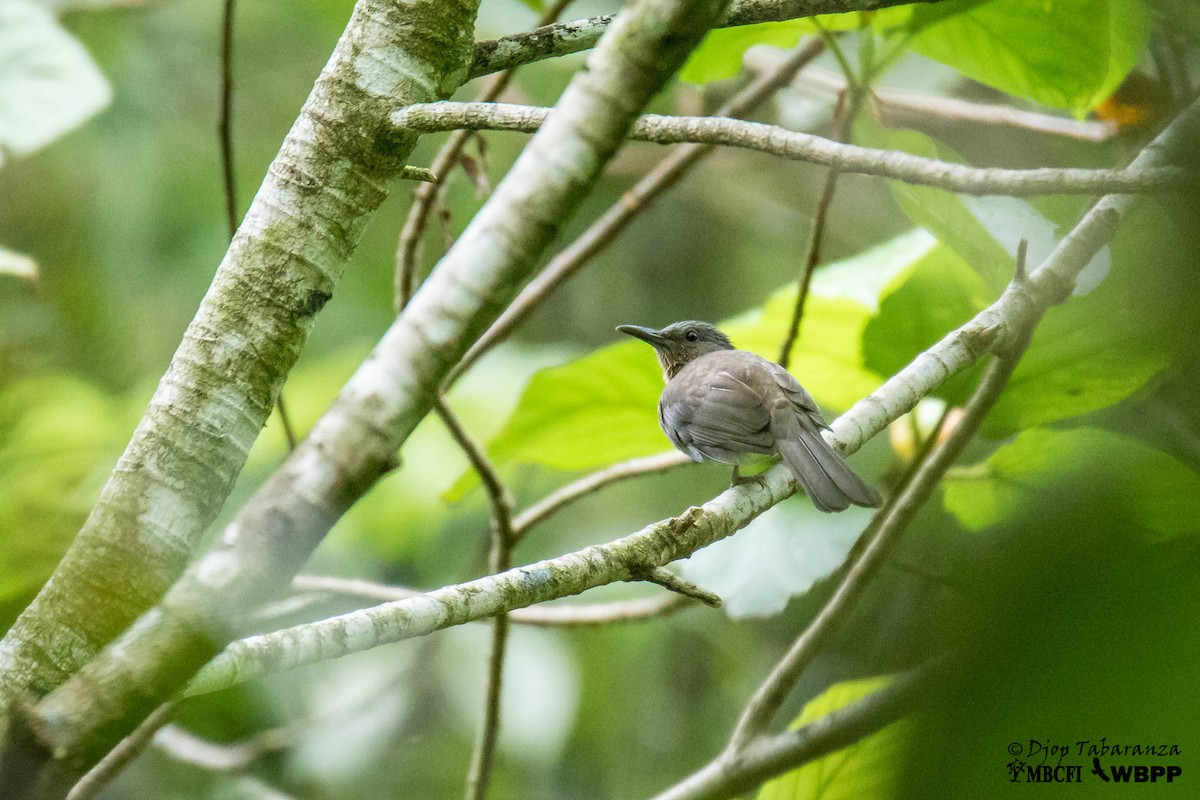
(728, 405)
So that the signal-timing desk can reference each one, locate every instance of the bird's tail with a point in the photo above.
(820, 470)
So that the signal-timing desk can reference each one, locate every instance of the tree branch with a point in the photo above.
(774, 140)
(564, 38)
(332, 172)
(355, 441)
(997, 327)
(581, 615)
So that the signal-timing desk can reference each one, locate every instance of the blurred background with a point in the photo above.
(1073, 592)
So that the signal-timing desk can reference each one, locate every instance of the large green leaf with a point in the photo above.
(1060, 53)
(1096, 350)
(1089, 471)
(871, 767)
(719, 56)
(985, 231)
(602, 408)
(935, 295)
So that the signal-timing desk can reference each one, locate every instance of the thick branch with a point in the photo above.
(662, 542)
(564, 38)
(392, 391)
(774, 140)
(332, 172)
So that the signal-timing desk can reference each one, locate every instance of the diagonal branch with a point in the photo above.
(774, 140)
(552, 41)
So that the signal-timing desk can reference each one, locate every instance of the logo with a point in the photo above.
(1038, 761)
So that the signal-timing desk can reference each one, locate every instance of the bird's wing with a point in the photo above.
(797, 394)
(709, 414)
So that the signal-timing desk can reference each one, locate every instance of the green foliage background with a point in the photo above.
(1061, 548)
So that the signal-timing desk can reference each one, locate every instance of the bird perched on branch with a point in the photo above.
(727, 405)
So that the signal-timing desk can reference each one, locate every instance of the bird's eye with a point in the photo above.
(691, 336)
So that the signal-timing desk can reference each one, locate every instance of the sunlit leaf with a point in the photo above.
(933, 297)
(1060, 53)
(48, 83)
(719, 56)
(1083, 470)
(1096, 350)
(871, 767)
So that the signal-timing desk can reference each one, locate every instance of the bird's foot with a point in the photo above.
(739, 479)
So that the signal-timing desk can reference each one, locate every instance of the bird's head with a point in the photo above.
(679, 343)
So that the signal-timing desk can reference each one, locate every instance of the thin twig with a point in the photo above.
(232, 758)
(119, 757)
(774, 140)
(604, 231)
(559, 499)
(848, 105)
(499, 560)
(430, 194)
(883, 532)
(225, 139)
(674, 583)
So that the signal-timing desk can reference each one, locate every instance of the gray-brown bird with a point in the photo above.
(727, 405)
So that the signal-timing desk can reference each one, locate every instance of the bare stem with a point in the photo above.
(119, 757)
(559, 499)
(427, 195)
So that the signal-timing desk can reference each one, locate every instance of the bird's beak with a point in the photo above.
(647, 335)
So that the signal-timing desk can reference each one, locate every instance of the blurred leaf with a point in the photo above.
(603, 408)
(1182, 15)
(1060, 53)
(871, 767)
(1096, 350)
(1088, 471)
(933, 297)
(17, 265)
(48, 83)
(719, 56)
(58, 437)
(777, 557)
(985, 231)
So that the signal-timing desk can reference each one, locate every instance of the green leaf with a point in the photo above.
(602, 408)
(59, 434)
(719, 56)
(1085, 472)
(1061, 53)
(1096, 350)
(871, 767)
(934, 296)
(48, 83)
(985, 231)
